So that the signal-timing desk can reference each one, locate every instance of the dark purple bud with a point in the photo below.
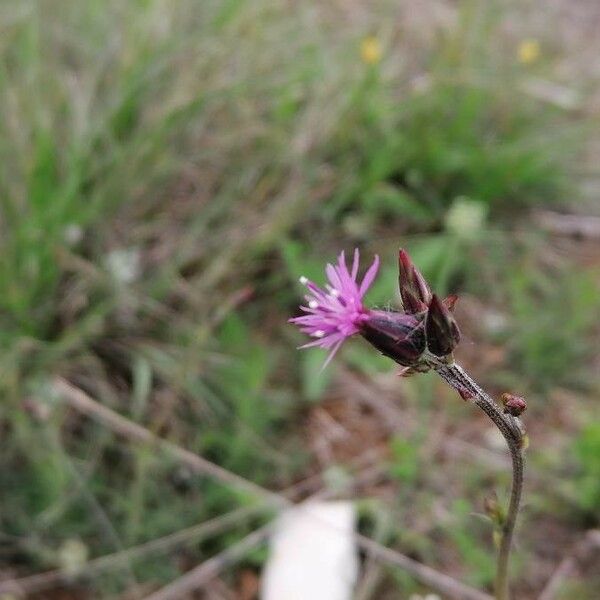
(513, 405)
(398, 336)
(414, 291)
(441, 329)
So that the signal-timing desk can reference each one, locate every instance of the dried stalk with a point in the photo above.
(513, 432)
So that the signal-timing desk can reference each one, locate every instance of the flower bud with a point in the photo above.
(493, 509)
(396, 335)
(414, 291)
(513, 405)
(441, 329)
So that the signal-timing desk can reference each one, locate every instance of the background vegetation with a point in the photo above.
(168, 168)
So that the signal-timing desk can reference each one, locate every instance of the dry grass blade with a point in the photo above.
(41, 581)
(445, 584)
(586, 226)
(79, 400)
(206, 571)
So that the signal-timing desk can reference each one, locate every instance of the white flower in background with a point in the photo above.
(73, 234)
(124, 264)
(72, 556)
(466, 218)
(495, 322)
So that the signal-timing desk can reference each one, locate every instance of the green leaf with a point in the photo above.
(315, 379)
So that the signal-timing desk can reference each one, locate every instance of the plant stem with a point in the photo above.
(513, 432)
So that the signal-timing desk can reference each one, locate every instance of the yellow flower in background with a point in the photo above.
(529, 51)
(370, 50)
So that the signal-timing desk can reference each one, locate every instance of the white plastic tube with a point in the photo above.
(313, 554)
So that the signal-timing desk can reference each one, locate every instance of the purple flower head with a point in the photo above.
(338, 312)
(418, 337)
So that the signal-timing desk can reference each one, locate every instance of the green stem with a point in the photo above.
(513, 432)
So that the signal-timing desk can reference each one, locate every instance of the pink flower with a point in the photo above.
(338, 313)
(416, 338)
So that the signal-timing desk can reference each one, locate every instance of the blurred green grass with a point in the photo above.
(168, 170)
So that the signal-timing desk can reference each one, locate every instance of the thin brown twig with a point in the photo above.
(79, 400)
(35, 583)
(441, 582)
(586, 226)
(199, 576)
(373, 571)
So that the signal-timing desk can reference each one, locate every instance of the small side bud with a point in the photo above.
(513, 405)
(414, 291)
(465, 393)
(497, 538)
(441, 329)
(493, 510)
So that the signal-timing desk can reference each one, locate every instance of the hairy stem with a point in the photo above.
(513, 432)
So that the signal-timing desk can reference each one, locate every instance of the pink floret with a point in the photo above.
(337, 312)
